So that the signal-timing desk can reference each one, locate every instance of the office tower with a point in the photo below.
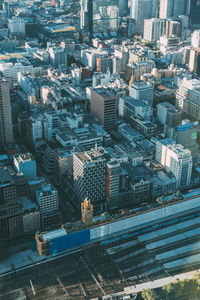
(10, 216)
(47, 199)
(6, 131)
(139, 11)
(100, 16)
(195, 39)
(112, 184)
(142, 90)
(194, 63)
(86, 15)
(123, 8)
(89, 170)
(169, 8)
(188, 98)
(176, 160)
(195, 11)
(153, 29)
(104, 106)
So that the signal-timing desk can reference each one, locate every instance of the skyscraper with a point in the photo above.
(100, 16)
(10, 214)
(195, 11)
(140, 11)
(6, 131)
(153, 29)
(89, 170)
(169, 8)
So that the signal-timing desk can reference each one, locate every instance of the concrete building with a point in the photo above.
(10, 216)
(58, 56)
(186, 135)
(153, 29)
(169, 8)
(47, 199)
(195, 39)
(97, 17)
(188, 98)
(135, 71)
(138, 13)
(168, 114)
(16, 25)
(129, 106)
(25, 164)
(6, 131)
(194, 62)
(31, 215)
(169, 43)
(113, 184)
(142, 90)
(175, 159)
(89, 171)
(104, 106)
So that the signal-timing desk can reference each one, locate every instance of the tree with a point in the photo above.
(149, 294)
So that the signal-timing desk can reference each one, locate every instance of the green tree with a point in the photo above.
(149, 294)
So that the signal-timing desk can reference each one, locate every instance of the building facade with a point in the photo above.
(89, 171)
(6, 131)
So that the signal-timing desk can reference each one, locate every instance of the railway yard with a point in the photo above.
(109, 266)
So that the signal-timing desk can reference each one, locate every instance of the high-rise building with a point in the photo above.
(123, 8)
(16, 25)
(195, 11)
(10, 215)
(113, 184)
(194, 62)
(47, 199)
(169, 8)
(140, 10)
(104, 106)
(100, 16)
(153, 29)
(195, 39)
(6, 131)
(89, 170)
(188, 98)
(142, 90)
(176, 160)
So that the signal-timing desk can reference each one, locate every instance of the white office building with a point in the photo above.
(176, 160)
(142, 90)
(47, 198)
(153, 29)
(195, 39)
